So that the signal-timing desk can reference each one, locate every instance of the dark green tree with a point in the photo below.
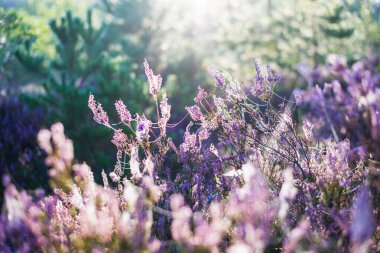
(335, 24)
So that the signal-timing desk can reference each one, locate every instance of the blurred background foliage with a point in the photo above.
(54, 53)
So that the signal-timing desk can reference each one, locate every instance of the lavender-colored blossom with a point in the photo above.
(189, 142)
(100, 116)
(312, 76)
(337, 63)
(307, 128)
(195, 112)
(202, 94)
(122, 111)
(206, 235)
(263, 85)
(63, 149)
(287, 194)
(362, 222)
(347, 107)
(219, 78)
(248, 208)
(165, 107)
(119, 139)
(154, 81)
(114, 177)
(165, 114)
(143, 128)
(134, 164)
(105, 180)
(271, 78)
(259, 78)
(203, 134)
(296, 235)
(149, 165)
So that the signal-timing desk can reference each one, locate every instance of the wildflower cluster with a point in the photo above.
(20, 156)
(347, 106)
(246, 178)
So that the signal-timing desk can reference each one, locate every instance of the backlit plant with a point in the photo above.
(246, 178)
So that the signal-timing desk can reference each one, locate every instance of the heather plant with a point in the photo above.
(346, 106)
(69, 219)
(247, 129)
(246, 178)
(20, 156)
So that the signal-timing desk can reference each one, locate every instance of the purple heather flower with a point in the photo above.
(362, 220)
(271, 78)
(134, 164)
(100, 116)
(295, 235)
(105, 180)
(149, 165)
(122, 111)
(114, 177)
(143, 128)
(202, 94)
(287, 194)
(259, 79)
(119, 139)
(219, 79)
(337, 63)
(165, 108)
(310, 75)
(195, 112)
(165, 114)
(44, 137)
(154, 81)
(203, 134)
(307, 128)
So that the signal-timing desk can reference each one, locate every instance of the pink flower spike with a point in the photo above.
(100, 116)
(122, 111)
(195, 112)
(165, 107)
(44, 137)
(154, 81)
(119, 139)
(204, 134)
(202, 94)
(134, 164)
